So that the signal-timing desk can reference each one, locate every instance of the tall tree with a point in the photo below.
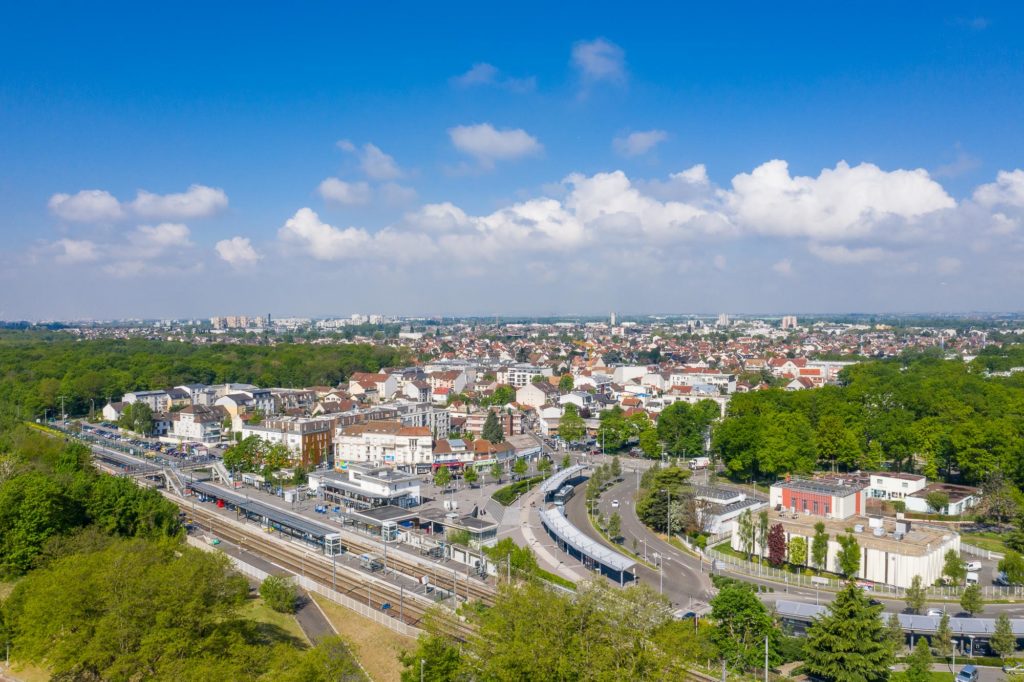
(919, 663)
(819, 546)
(916, 595)
(743, 624)
(798, 551)
(762, 533)
(496, 471)
(897, 638)
(1003, 641)
(747, 532)
(943, 639)
(471, 476)
(1012, 567)
(571, 427)
(776, 545)
(953, 567)
(971, 600)
(442, 477)
(850, 642)
(849, 555)
(565, 384)
(492, 430)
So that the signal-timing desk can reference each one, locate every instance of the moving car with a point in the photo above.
(615, 504)
(1017, 669)
(935, 612)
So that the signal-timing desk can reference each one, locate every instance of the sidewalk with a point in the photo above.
(522, 523)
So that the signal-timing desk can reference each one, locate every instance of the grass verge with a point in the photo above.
(375, 646)
(556, 579)
(256, 609)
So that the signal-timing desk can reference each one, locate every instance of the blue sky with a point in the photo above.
(408, 160)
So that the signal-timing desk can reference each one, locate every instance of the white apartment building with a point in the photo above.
(385, 443)
(196, 424)
(520, 374)
(703, 376)
(888, 485)
(366, 487)
(158, 401)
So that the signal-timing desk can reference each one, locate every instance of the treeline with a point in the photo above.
(943, 418)
(37, 370)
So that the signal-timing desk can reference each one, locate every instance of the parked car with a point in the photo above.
(968, 673)
(615, 504)
(1017, 669)
(937, 613)
(973, 565)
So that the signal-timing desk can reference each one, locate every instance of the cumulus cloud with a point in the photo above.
(150, 241)
(87, 206)
(599, 60)
(199, 201)
(639, 143)
(344, 193)
(395, 194)
(484, 74)
(840, 203)
(237, 252)
(1007, 190)
(487, 144)
(321, 240)
(99, 206)
(71, 251)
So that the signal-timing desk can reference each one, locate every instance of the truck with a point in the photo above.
(700, 463)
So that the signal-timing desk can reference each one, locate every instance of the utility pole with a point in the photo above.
(63, 414)
(766, 658)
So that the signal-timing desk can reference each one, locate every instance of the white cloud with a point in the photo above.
(99, 206)
(599, 60)
(321, 240)
(837, 253)
(1007, 190)
(199, 201)
(71, 251)
(638, 143)
(150, 241)
(487, 144)
(344, 193)
(841, 203)
(484, 74)
(87, 206)
(374, 162)
(784, 267)
(237, 252)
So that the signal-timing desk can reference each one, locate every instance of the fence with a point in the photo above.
(753, 570)
(979, 552)
(310, 585)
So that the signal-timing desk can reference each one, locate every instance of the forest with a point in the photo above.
(947, 419)
(39, 368)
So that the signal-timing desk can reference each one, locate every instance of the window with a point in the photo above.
(815, 507)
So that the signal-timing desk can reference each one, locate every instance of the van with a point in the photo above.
(972, 578)
(968, 673)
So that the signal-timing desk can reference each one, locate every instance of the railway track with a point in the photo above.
(406, 605)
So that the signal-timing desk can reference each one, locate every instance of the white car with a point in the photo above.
(615, 504)
(935, 612)
(973, 565)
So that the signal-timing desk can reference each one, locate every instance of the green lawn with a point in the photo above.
(256, 609)
(993, 542)
(933, 676)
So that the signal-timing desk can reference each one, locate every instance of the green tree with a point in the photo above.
(850, 641)
(837, 445)
(436, 658)
(492, 430)
(743, 623)
(471, 476)
(1012, 566)
(848, 558)
(919, 663)
(614, 525)
(650, 444)
(137, 417)
(762, 533)
(496, 471)
(916, 595)
(616, 467)
(565, 384)
(571, 426)
(953, 567)
(937, 501)
(747, 532)
(566, 461)
(544, 466)
(971, 601)
(1003, 641)
(819, 546)
(682, 426)
(519, 467)
(943, 639)
(776, 545)
(798, 551)
(442, 477)
(897, 638)
(279, 593)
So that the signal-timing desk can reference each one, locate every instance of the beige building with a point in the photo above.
(385, 443)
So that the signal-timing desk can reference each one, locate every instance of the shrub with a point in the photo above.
(279, 593)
